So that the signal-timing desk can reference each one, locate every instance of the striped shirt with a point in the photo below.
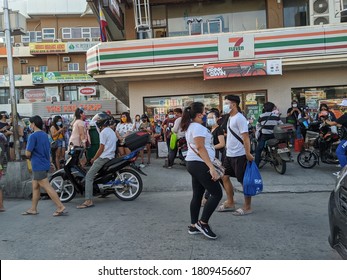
(267, 121)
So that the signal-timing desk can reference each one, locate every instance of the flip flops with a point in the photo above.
(27, 213)
(224, 208)
(242, 212)
(60, 213)
(83, 206)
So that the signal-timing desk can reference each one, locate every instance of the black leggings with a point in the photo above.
(201, 181)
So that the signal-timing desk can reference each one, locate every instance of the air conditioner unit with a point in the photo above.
(66, 59)
(23, 61)
(57, 40)
(18, 45)
(324, 11)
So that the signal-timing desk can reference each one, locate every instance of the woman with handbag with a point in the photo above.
(199, 163)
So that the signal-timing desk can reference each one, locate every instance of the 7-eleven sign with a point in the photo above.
(241, 46)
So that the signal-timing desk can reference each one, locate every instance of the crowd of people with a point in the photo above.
(209, 134)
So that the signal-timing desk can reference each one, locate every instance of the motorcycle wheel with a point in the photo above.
(64, 188)
(280, 165)
(131, 186)
(307, 159)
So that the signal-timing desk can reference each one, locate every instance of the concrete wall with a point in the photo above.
(278, 87)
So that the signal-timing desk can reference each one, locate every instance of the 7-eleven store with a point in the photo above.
(278, 65)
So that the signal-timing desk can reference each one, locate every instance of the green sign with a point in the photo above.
(59, 78)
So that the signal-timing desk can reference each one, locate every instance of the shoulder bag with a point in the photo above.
(216, 163)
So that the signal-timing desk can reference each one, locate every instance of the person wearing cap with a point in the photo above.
(342, 147)
(238, 152)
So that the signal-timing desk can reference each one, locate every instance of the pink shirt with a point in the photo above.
(75, 135)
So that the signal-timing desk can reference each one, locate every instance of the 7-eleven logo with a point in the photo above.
(236, 48)
(241, 46)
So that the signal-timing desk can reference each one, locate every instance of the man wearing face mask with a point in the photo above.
(238, 152)
(293, 115)
(168, 124)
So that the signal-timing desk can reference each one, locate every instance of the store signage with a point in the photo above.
(230, 47)
(235, 69)
(73, 47)
(5, 79)
(87, 91)
(45, 48)
(36, 94)
(60, 78)
(72, 108)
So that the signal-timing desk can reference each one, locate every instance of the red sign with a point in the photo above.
(34, 94)
(235, 69)
(89, 91)
(72, 108)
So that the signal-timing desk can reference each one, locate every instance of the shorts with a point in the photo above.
(235, 167)
(60, 143)
(40, 175)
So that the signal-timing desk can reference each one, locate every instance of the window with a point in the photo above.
(80, 32)
(32, 37)
(5, 70)
(73, 67)
(43, 68)
(48, 33)
(295, 12)
(30, 69)
(70, 93)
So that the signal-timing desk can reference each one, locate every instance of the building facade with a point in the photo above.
(175, 52)
(49, 60)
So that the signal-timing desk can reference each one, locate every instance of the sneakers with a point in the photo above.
(193, 230)
(336, 174)
(205, 230)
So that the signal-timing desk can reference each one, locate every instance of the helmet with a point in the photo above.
(101, 119)
(323, 114)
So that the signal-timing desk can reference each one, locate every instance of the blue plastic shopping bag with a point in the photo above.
(252, 181)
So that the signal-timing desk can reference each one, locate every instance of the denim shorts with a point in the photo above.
(40, 175)
(60, 143)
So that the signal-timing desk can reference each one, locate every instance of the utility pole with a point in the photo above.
(7, 26)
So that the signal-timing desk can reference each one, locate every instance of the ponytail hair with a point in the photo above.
(190, 113)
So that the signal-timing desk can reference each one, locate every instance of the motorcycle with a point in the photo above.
(119, 176)
(320, 145)
(276, 151)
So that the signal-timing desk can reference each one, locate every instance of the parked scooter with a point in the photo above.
(119, 176)
(276, 150)
(320, 145)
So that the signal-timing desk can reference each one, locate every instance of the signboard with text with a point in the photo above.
(60, 78)
(46, 48)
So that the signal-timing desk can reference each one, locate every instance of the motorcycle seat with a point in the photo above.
(110, 163)
(272, 142)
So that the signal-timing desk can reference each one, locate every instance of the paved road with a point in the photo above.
(283, 226)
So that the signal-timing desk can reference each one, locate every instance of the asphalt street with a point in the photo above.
(290, 222)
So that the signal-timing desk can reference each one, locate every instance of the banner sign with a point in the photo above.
(45, 48)
(235, 69)
(87, 91)
(73, 47)
(60, 78)
(35, 94)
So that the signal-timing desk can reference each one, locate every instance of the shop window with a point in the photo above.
(157, 107)
(70, 93)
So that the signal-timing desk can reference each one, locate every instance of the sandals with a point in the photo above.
(84, 206)
(27, 213)
(224, 208)
(242, 212)
(60, 213)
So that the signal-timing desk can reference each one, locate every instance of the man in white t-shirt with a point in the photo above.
(106, 152)
(238, 152)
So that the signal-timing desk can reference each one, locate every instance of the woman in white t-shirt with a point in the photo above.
(199, 164)
(123, 129)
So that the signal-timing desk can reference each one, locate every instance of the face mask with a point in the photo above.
(58, 123)
(84, 117)
(226, 109)
(171, 116)
(211, 122)
(295, 105)
(124, 119)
